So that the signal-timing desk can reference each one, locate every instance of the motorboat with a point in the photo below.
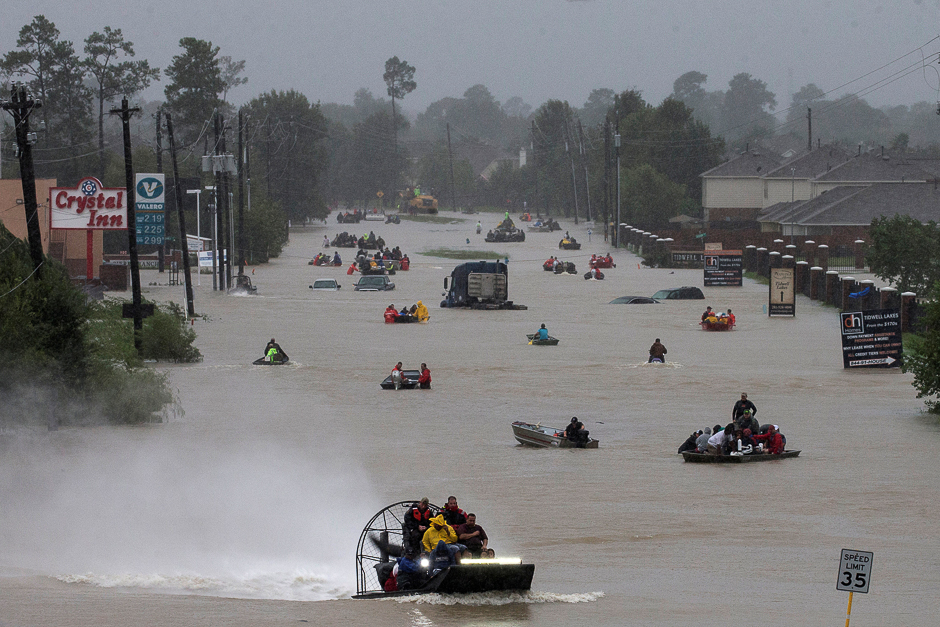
(705, 458)
(545, 437)
(381, 542)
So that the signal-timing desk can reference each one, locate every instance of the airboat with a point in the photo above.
(381, 542)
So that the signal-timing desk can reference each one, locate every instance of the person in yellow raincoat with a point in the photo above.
(439, 530)
(422, 313)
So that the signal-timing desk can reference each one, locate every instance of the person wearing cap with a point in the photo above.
(576, 433)
(740, 406)
(657, 351)
(416, 522)
(748, 421)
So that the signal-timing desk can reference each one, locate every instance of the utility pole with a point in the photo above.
(226, 223)
(617, 149)
(574, 182)
(125, 112)
(161, 250)
(20, 106)
(535, 172)
(218, 204)
(241, 196)
(453, 187)
(190, 307)
(606, 177)
(587, 185)
(809, 133)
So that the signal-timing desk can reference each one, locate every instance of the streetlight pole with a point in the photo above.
(198, 193)
(792, 193)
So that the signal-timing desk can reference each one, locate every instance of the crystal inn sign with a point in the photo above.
(89, 206)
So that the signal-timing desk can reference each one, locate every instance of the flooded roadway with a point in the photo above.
(245, 508)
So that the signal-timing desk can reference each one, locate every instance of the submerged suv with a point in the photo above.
(678, 293)
(374, 283)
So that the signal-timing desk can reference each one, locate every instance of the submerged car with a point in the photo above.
(633, 300)
(374, 283)
(680, 293)
(326, 284)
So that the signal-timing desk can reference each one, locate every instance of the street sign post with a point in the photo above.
(854, 575)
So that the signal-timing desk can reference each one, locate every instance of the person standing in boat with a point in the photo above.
(424, 381)
(453, 515)
(657, 351)
(741, 406)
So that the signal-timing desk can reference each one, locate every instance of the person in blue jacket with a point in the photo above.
(542, 333)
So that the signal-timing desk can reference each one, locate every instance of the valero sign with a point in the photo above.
(88, 206)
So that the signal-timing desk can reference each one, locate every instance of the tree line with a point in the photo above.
(305, 156)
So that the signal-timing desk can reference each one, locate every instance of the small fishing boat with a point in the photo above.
(545, 437)
(381, 542)
(550, 341)
(409, 381)
(704, 458)
(721, 324)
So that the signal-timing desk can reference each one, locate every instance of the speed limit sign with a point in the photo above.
(854, 571)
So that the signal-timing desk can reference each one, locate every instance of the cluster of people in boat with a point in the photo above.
(556, 265)
(548, 222)
(323, 259)
(712, 317)
(416, 313)
(424, 378)
(348, 240)
(744, 435)
(380, 262)
(602, 261)
(432, 543)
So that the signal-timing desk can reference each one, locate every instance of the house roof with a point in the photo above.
(874, 168)
(811, 164)
(858, 206)
(748, 164)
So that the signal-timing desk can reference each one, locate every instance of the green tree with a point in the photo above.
(265, 229)
(650, 197)
(399, 78)
(746, 108)
(290, 152)
(905, 252)
(923, 357)
(195, 85)
(114, 78)
(38, 44)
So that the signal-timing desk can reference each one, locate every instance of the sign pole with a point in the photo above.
(848, 612)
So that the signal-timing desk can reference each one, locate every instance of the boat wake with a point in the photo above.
(499, 598)
(643, 364)
(280, 586)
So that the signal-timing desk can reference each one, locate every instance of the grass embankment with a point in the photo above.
(438, 219)
(757, 277)
(460, 253)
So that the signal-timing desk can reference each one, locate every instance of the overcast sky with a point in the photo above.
(536, 49)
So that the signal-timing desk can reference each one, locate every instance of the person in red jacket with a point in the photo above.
(390, 314)
(424, 381)
(773, 441)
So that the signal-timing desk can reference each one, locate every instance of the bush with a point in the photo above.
(923, 359)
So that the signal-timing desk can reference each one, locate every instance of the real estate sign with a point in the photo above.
(723, 268)
(871, 339)
(782, 292)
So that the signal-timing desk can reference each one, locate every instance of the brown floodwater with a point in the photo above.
(245, 507)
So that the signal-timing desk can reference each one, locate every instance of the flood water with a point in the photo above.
(246, 506)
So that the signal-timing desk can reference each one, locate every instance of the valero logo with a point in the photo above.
(149, 188)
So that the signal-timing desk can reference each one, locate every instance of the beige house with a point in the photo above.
(734, 190)
(66, 246)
